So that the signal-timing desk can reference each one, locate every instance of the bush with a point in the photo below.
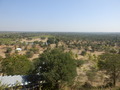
(83, 53)
(29, 54)
(16, 65)
(113, 51)
(8, 50)
(79, 62)
(42, 38)
(34, 50)
(87, 85)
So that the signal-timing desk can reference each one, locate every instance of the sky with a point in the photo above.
(60, 15)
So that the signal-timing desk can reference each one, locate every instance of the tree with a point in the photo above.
(56, 67)
(113, 51)
(91, 74)
(111, 64)
(79, 62)
(16, 65)
(1, 59)
(0, 63)
(35, 50)
(29, 54)
(42, 38)
(51, 40)
(83, 53)
(8, 50)
(119, 51)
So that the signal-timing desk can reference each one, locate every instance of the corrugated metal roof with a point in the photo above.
(13, 80)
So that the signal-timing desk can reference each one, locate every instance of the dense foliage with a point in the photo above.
(16, 65)
(111, 64)
(56, 67)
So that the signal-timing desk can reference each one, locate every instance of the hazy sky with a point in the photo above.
(60, 15)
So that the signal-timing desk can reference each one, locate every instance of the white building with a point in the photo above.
(18, 49)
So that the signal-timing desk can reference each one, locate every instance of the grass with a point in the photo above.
(34, 37)
(6, 41)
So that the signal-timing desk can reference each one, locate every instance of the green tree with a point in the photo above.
(56, 67)
(91, 74)
(51, 40)
(1, 58)
(113, 51)
(29, 54)
(42, 38)
(83, 53)
(8, 50)
(0, 64)
(35, 50)
(16, 65)
(111, 64)
(79, 62)
(119, 51)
